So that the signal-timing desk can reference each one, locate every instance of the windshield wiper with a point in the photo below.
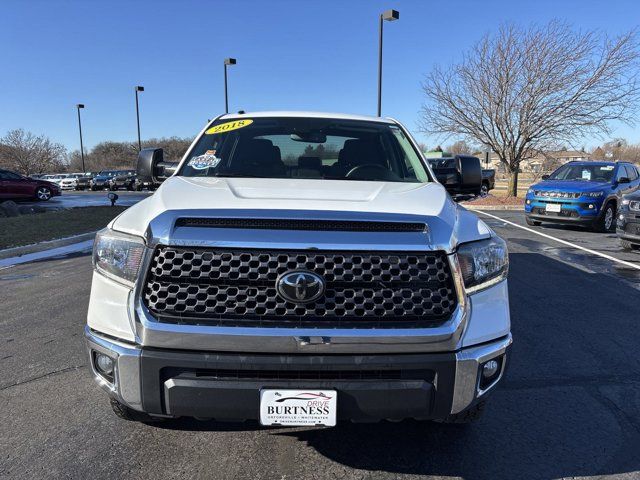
(239, 175)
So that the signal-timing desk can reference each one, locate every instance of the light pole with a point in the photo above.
(79, 106)
(227, 61)
(138, 88)
(390, 16)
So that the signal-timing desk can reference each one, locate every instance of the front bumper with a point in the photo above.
(226, 386)
(582, 211)
(628, 226)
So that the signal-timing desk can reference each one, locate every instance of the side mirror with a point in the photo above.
(469, 173)
(545, 177)
(152, 167)
(624, 180)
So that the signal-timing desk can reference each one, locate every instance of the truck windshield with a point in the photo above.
(305, 148)
(585, 173)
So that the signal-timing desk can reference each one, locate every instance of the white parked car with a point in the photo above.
(299, 268)
(54, 178)
(70, 181)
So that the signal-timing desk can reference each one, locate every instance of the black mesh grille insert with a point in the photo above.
(288, 224)
(238, 287)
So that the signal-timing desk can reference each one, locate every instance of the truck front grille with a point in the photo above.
(230, 287)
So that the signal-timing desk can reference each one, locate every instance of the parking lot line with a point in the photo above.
(572, 245)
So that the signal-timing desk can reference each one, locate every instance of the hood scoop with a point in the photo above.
(301, 224)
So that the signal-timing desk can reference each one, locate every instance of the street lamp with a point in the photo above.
(227, 61)
(79, 106)
(138, 88)
(389, 16)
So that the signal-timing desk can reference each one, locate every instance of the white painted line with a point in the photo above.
(572, 245)
(54, 252)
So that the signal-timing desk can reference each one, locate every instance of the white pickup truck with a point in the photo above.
(298, 268)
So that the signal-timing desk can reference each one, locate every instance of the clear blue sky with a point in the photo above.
(297, 55)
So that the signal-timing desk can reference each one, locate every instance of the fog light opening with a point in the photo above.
(490, 368)
(104, 365)
(490, 372)
(591, 206)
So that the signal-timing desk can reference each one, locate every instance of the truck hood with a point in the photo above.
(449, 224)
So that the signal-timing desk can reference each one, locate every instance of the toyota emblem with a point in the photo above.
(300, 286)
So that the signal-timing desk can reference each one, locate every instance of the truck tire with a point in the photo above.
(627, 245)
(606, 222)
(470, 415)
(129, 414)
(533, 223)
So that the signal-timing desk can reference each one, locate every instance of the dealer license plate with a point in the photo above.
(293, 408)
(553, 207)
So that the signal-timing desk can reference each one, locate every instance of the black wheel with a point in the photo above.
(139, 188)
(43, 193)
(129, 414)
(607, 220)
(627, 245)
(470, 415)
(533, 223)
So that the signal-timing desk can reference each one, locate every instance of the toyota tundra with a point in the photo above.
(294, 269)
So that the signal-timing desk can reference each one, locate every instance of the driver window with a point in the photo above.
(622, 172)
(632, 173)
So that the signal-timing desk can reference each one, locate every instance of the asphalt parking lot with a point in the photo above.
(71, 199)
(569, 406)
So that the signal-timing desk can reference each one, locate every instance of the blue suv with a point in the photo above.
(582, 193)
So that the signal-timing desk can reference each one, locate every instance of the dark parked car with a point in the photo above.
(84, 182)
(101, 180)
(447, 171)
(14, 185)
(488, 180)
(628, 224)
(124, 179)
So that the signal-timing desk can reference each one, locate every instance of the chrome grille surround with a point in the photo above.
(162, 230)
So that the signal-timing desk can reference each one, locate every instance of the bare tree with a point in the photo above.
(123, 155)
(460, 147)
(524, 91)
(620, 149)
(27, 153)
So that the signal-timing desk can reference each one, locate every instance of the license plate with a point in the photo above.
(553, 207)
(295, 408)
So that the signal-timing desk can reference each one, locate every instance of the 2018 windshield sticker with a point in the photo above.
(607, 167)
(228, 126)
(208, 160)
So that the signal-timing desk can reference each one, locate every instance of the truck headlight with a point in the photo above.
(118, 255)
(530, 191)
(483, 263)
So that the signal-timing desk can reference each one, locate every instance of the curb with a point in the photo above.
(494, 207)
(48, 245)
